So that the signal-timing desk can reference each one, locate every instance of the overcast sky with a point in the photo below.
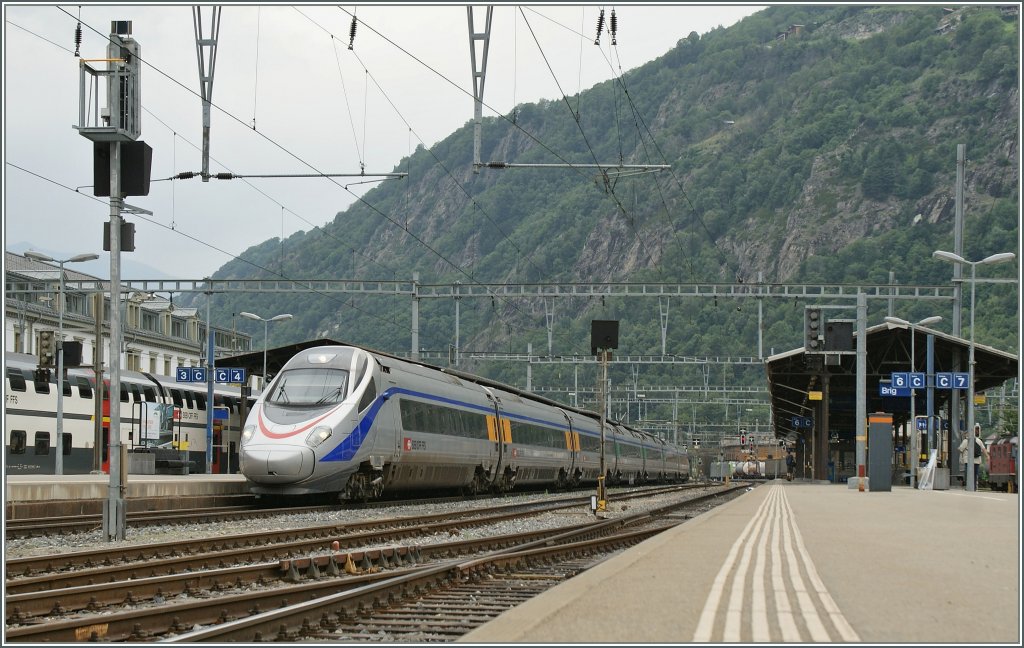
(315, 104)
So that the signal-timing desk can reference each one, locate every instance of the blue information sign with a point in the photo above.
(190, 374)
(950, 380)
(917, 380)
(229, 375)
(887, 389)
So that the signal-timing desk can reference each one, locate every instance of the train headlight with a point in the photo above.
(247, 433)
(318, 436)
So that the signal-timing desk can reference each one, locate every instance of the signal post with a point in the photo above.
(604, 336)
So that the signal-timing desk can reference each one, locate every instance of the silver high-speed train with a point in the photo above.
(358, 423)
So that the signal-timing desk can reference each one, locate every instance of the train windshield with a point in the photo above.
(309, 387)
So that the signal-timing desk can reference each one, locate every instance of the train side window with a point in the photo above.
(176, 398)
(84, 387)
(136, 394)
(67, 387)
(18, 440)
(200, 401)
(16, 378)
(66, 448)
(124, 393)
(150, 394)
(41, 382)
(42, 443)
(368, 396)
(188, 398)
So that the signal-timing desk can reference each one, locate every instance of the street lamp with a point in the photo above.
(58, 466)
(928, 321)
(266, 323)
(956, 258)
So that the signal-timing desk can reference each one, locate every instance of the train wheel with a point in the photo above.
(480, 482)
(364, 486)
(562, 481)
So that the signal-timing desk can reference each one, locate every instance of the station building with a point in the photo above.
(158, 335)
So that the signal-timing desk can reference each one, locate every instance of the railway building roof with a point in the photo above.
(792, 375)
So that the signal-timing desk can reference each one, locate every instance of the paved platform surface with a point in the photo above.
(31, 488)
(799, 562)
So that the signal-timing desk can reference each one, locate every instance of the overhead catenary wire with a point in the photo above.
(205, 243)
(198, 148)
(277, 144)
(619, 78)
(191, 174)
(610, 189)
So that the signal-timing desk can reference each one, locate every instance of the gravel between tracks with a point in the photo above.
(25, 547)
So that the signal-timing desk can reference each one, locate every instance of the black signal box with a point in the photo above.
(604, 334)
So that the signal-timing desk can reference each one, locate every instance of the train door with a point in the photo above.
(215, 467)
(572, 444)
(499, 433)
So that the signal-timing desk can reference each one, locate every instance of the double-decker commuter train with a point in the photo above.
(358, 423)
(30, 420)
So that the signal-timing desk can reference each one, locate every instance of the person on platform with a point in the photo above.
(979, 452)
(790, 463)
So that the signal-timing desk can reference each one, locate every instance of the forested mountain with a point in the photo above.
(807, 144)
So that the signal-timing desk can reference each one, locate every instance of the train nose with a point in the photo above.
(277, 464)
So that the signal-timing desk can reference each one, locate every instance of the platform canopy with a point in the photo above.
(252, 362)
(794, 376)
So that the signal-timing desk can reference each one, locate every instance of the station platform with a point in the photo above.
(84, 494)
(801, 562)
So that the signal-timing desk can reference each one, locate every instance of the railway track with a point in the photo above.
(163, 605)
(61, 524)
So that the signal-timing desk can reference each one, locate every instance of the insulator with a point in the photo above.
(185, 175)
(78, 38)
(600, 27)
(224, 176)
(352, 33)
(615, 26)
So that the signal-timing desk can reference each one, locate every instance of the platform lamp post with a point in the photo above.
(956, 258)
(58, 468)
(266, 324)
(928, 321)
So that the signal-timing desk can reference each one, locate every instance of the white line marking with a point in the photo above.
(759, 605)
(734, 614)
(838, 620)
(783, 610)
(773, 539)
(707, 616)
(803, 598)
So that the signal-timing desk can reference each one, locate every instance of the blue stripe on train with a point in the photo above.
(346, 450)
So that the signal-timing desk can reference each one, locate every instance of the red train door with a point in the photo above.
(217, 432)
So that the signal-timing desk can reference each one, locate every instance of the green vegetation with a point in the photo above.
(828, 157)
